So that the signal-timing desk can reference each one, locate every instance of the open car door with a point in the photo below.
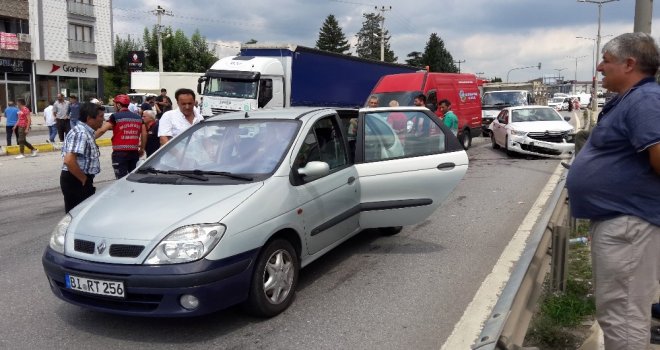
(408, 162)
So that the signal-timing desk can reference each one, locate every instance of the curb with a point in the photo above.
(48, 147)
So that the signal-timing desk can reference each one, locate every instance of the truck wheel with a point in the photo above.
(492, 140)
(466, 139)
(390, 231)
(274, 279)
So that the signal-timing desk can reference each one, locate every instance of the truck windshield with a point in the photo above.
(504, 98)
(404, 98)
(224, 87)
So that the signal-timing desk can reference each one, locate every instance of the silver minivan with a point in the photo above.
(230, 210)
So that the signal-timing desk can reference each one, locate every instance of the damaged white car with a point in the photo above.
(533, 130)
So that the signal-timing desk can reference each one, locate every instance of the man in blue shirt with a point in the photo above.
(74, 110)
(615, 182)
(11, 113)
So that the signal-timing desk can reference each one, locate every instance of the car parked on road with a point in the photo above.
(534, 130)
(557, 103)
(229, 211)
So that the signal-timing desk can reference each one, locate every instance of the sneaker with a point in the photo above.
(20, 156)
(34, 152)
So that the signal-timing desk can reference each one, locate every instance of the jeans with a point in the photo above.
(9, 132)
(123, 162)
(52, 132)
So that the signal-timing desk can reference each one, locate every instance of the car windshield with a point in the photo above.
(235, 88)
(234, 147)
(534, 115)
(504, 98)
(558, 100)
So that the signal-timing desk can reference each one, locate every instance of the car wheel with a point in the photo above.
(506, 147)
(492, 140)
(466, 139)
(390, 231)
(485, 133)
(274, 279)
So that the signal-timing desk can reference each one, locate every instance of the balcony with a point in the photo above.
(80, 9)
(85, 47)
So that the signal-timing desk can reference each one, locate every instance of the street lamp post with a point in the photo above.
(594, 94)
(507, 74)
(575, 78)
(558, 72)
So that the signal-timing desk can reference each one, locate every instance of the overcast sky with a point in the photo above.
(491, 36)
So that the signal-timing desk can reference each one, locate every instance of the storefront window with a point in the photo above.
(69, 86)
(88, 89)
(20, 90)
(46, 91)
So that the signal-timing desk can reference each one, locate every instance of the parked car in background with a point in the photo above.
(557, 103)
(244, 201)
(534, 130)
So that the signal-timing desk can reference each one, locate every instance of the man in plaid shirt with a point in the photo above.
(81, 157)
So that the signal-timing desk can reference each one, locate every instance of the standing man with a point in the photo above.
(420, 100)
(615, 182)
(164, 103)
(74, 110)
(373, 101)
(126, 133)
(177, 121)
(151, 142)
(11, 113)
(81, 157)
(23, 128)
(449, 118)
(61, 112)
(49, 118)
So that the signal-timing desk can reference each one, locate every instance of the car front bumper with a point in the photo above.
(528, 145)
(155, 290)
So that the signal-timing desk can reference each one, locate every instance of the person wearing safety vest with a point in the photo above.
(126, 136)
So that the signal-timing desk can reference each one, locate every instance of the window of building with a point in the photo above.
(14, 25)
(80, 33)
(88, 2)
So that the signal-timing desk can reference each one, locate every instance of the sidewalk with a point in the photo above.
(39, 124)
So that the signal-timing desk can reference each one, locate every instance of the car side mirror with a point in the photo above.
(314, 170)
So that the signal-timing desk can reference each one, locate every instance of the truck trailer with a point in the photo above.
(290, 75)
(147, 83)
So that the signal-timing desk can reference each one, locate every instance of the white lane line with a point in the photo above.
(468, 328)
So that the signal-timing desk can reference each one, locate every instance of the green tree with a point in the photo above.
(201, 57)
(368, 39)
(415, 59)
(437, 57)
(331, 38)
(116, 79)
(180, 54)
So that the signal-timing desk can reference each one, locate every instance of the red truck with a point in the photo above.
(460, 89)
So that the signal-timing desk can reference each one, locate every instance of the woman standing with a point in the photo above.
(23, 127)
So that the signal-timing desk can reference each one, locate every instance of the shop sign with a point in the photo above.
(136, 61)
(67, 69)
(13, 65)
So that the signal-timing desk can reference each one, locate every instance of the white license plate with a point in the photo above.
(95, 286)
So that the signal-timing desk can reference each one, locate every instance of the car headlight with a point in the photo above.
(59, 234)
(518, 132)
(186, 244)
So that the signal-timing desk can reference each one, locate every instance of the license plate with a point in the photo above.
(95, 286)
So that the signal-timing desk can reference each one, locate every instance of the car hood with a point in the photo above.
(542, 126)
(139, 211)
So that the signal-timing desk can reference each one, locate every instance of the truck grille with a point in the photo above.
(220, 111)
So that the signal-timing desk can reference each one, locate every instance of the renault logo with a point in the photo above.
(101, 247)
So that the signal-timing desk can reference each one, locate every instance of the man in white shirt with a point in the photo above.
(49, 119)
(174, 122)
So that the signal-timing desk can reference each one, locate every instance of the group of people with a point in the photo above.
(449, 119)
(133, 135)
(19, 120)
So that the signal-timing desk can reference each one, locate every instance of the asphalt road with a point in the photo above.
(372, 292)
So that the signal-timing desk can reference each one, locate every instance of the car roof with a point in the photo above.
(289, 113)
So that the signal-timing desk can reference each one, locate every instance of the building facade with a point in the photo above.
(71, 42)
(15, 52)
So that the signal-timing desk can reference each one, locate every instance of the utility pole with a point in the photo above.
(382, 9)
(594, 93)
(643, 16)
(575, 79)
(459, 64)
(159, 12)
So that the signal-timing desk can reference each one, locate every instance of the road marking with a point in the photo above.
(468, 328)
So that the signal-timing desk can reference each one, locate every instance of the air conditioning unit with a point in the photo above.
(25, 38)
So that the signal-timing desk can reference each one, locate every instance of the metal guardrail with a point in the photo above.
(507, 325)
